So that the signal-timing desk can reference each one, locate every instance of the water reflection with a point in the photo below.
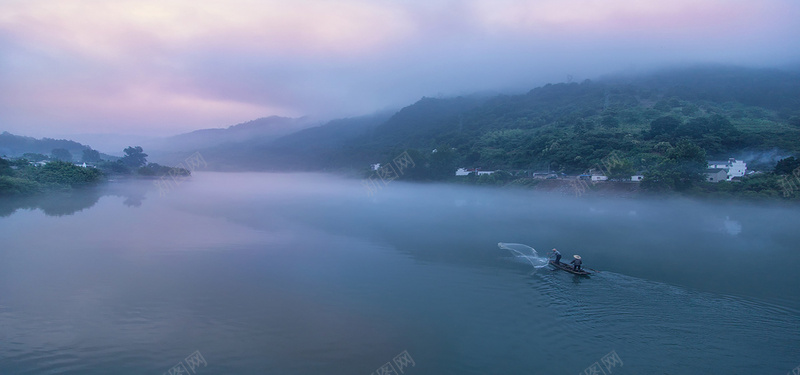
(732, 227)
(64, 203)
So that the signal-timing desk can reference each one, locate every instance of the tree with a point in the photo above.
(472, 158)
(113, 167)
(14, 186)
(664, 125)
(63, 173)
(695, 128)
(90, 156)
(5, 168)
(662, 105)
(420, 171)
(134, 157)
(30, 156)
(662, 148)
(682, 168)
(61, 154)
(621, 170)
(443, 163)
(689, 110)
(787, 166)
(609, 122)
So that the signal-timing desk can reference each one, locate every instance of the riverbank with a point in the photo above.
(20, 177)
(760, 187)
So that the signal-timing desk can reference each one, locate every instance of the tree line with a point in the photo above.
(36, 173)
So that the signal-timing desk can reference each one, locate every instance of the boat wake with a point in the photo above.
(524, 253)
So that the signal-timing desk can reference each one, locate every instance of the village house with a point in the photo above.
(464, 171)
(716, 175)
(733, 168)
(467, 171)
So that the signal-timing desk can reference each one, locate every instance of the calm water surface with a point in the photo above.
(309, 274)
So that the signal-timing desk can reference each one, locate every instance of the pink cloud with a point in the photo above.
(180, 65)
(139, 109)
(118, 30)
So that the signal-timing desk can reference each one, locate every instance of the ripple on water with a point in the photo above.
(660, 323)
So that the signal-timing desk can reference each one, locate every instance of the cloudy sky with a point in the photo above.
(169, 66)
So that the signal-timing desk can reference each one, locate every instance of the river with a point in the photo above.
(260, 273)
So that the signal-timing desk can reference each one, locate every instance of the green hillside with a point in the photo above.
(571, 127)
(664, 125)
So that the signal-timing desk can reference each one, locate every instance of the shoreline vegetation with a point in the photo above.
(759, 188)
(23, 178)
(683, 179)
(20, 177)
(34, 174)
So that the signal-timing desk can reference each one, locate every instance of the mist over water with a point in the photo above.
(309, 273)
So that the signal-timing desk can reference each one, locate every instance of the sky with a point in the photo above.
(158, 68)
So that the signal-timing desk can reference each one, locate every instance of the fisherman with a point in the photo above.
(576, 263)
(558, 256)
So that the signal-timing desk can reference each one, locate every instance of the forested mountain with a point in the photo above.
(571, 127)
(566, 127)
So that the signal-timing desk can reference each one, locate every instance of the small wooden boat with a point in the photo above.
(566, 267)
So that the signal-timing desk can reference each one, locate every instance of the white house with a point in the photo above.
(467, 171)
(738, 168)
(464, 171)
(637, 178)
(733, 167)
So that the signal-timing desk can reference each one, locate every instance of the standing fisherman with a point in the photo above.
(558, 256)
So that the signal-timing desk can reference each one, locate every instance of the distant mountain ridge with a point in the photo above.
(313, 148)
(265, 128)
(16, 145)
